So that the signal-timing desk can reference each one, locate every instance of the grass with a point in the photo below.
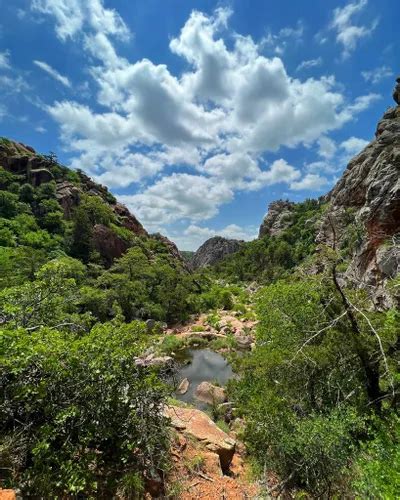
(197, 328)
(223, 425)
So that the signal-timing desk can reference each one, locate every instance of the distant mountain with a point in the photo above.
(214, 250)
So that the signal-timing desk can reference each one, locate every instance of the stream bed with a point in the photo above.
(199, 365)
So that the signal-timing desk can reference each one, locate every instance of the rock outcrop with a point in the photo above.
(368, 197)
(70, 188)
(277, 219)
(214, 250)
(396, 92)
(172, 248)
(199, 426)
(210, 394)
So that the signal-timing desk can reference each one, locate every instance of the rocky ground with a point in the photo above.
(208, 462)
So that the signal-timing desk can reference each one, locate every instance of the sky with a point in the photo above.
(198, 113)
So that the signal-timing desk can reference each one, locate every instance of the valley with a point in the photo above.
(246, 370)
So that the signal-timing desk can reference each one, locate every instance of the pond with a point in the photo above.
(204, 365)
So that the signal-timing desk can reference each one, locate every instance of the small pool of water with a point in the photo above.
(204, 365)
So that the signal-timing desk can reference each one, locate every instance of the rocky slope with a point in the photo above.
(36, 169)
(366, 200)
(214, 250)
(363, 212)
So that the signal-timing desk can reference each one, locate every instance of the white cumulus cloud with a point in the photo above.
(229, 107)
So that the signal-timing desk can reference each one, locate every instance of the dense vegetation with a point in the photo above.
(77, 416)
(320, 392)
(271, 257)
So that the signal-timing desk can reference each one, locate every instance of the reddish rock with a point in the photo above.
(128, 220)
(109, 245)
(199, 426)
(7, 495)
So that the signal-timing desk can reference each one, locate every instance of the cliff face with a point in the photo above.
(278, 218)
(369, 191)
(214, 250)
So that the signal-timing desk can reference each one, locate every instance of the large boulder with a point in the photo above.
(199, 426)
(210, 394)
(68, 196)
(128, 220)
(214, 250)
(109, 245)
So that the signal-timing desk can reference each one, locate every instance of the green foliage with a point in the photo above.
(171, 343)
(10, 205)
(271, 258)
(77, 416)
(50, 300)
(303, 391)
(378, 464)
(215, 296)
(148, 285)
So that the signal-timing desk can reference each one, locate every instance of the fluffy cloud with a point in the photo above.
(53, 73)
(179, 196)
(218, 118)
(310, 182)
(327, 147)
(351, 147)
(376, 75)
(349, 34)
(72, 16)
(242, 172)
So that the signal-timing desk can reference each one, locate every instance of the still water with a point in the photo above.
(204, 365)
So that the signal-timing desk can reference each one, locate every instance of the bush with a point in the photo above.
(77, 417)
(378, 464)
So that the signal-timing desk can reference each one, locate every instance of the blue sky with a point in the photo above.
(197, 114)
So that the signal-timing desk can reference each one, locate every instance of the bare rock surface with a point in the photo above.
(199, 426)
(214, 250)
(368, 194)
(277, 219)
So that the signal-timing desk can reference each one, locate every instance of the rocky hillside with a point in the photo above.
(365, 206)
(278, 218)
(111, 241)
(214, 250)
(362, 215)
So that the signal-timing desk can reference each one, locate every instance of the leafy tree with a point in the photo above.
(77, 417)
(306, 388)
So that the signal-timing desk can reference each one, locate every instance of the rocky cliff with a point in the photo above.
(277, 219)
(362, 218)
(366, 200)
(214, 250)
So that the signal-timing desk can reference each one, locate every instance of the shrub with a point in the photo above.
(378, 465)
(77, 417)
